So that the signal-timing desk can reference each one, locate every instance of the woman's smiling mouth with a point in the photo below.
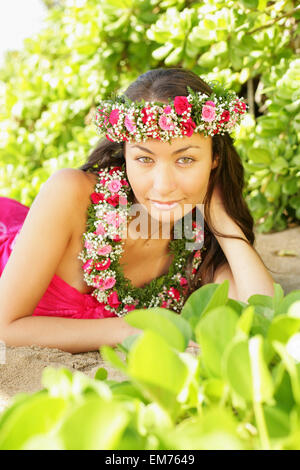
(164, 205)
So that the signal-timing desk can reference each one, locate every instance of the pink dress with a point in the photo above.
(60, 299)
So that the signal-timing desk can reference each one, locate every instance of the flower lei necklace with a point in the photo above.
(103, 247)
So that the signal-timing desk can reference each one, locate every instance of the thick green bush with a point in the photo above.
(240, 392)
(89, 48)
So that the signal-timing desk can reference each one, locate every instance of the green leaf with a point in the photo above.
(259, 155)
(37, 415)
(292, 368)
(237, 369)
(263, 387)
(246, 370)
(111, 356)
(261, 321)
(174, 57)
(214, 332)
(250, 3)
(158, 368)
(204, 299)
(214, 388)
(279, 164)
(245, 321)
(290, 186)
(288, 301)
(161, 52)
(278, 296)
(263, 300)
(172, 327)
(216, 429)
(282, 328)
(94, 425)
(101, 374)
(283, 393)
(272, 190)
(126, 389)
(277, 421)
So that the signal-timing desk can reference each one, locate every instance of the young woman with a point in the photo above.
(76, 257)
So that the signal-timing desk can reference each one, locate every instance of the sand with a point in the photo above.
(22, 368)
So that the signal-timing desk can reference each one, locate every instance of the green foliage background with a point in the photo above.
(89, 48)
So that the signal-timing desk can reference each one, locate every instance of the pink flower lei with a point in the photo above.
(124, 120)
(103, 248)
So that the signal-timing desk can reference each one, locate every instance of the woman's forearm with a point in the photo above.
(68, 334)
(248, 270)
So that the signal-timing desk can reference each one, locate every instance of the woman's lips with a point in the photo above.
(164, 205)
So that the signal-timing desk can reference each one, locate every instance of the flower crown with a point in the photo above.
(124, 120)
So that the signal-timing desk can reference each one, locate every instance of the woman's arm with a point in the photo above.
(68, 334)
(41, 243)
(248, 271)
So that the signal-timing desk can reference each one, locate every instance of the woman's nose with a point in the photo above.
(164, 181)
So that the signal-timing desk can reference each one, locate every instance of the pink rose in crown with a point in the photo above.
(114, 116)
(104, 250)
(197, 254)
(103, 266)
(208, 113)
(210, 103)
(88, 266)
(113, 200)
(97, 197)
(117, 238)
(129, 124)
(188, 127)
(114, 186)
(113, 300)
(181, 104)
(100, 229)
(168, 109)
(166, 123)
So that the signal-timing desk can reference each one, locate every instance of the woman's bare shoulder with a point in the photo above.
(76, 180)
(73, 174)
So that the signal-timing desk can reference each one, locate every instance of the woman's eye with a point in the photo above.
(139, 159)
(190, 160)
(187, 158)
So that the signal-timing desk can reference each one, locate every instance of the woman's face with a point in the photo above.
(162, 173)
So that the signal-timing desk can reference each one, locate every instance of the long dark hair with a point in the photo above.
(159, 85)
